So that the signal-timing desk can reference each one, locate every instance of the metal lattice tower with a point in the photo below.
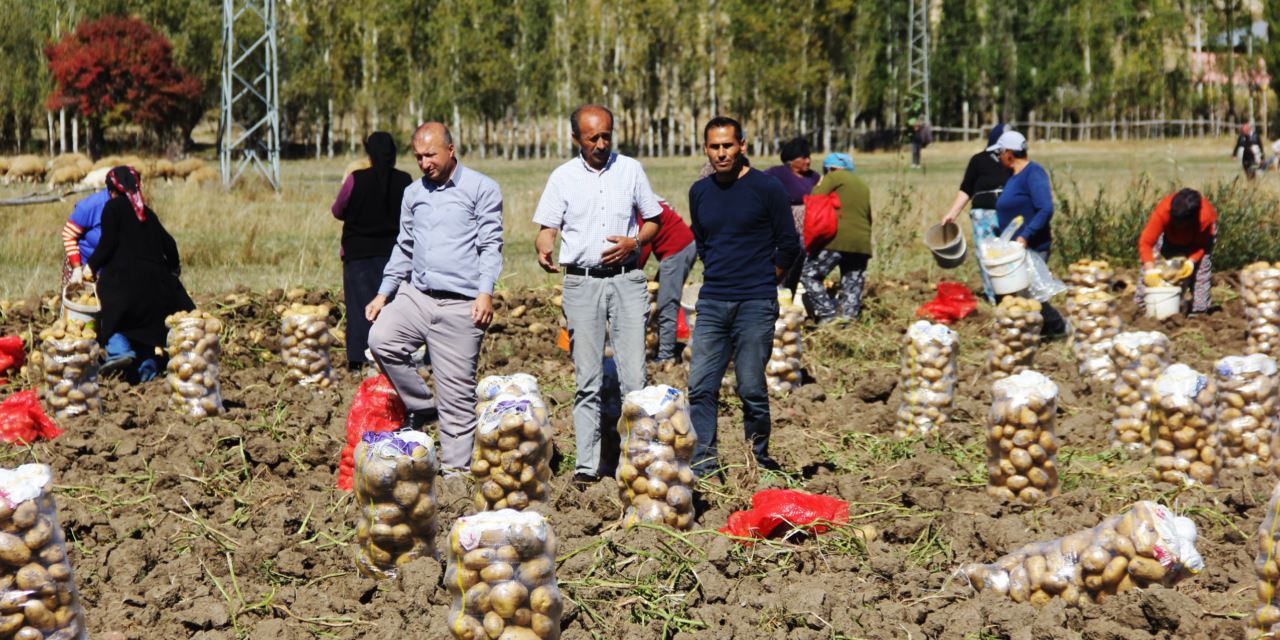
(918, 57)
(249, 130)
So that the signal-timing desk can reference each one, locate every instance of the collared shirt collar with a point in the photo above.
(613, 157)
(452, 181)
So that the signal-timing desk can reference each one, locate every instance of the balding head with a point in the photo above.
(592, 127)
(433, 149)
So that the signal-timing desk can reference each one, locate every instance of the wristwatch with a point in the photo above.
(636, 238)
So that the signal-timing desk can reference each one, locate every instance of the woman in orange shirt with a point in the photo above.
(1184, 225)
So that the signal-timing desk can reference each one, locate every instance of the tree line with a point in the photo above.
(505, 73)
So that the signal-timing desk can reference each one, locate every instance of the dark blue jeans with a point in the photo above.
(743, 330)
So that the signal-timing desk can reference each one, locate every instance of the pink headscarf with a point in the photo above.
(125, 180)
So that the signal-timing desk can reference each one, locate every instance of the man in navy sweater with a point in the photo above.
(746, 240)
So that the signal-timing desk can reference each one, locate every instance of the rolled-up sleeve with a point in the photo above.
(489, 235)
(645, 199)
(401, 262)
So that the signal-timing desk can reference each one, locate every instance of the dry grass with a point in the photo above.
(255, 238)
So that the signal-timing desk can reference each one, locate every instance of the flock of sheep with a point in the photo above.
(76, 169)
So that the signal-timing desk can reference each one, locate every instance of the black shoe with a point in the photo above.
(416, 420)
(583, 479)
(768, 464)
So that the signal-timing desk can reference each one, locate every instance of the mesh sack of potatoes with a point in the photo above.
(1145, 546)
(69, 355)
(1265, 621)
(1018, 324)
(654, 478)
(38, 596)
(501, 573)
(516, 384)
(1094, 323)
(194, 347)
(1022, 448)
(927, 378)
(512, 457)
(782, 373)
(395, 493)
(1245, 420)
(1140, 357)
(1182, 421)
(1260, 289)
(304, 344)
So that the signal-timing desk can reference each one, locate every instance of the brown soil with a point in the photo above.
(231, 527)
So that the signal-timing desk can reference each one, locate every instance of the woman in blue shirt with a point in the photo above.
(1029, 195)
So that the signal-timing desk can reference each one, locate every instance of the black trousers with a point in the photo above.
(360, 281)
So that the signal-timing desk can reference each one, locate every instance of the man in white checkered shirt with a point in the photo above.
(590, 201)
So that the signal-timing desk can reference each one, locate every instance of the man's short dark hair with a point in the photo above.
(1185, 205)
(1020, 154)
(795, 148)
(577, 115)
(724, 121)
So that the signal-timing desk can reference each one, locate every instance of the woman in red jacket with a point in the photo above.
(1184, 225)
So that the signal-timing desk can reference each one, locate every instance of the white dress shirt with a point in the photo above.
(588, 206)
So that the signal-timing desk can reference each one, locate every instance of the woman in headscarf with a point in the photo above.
(137, 267)
(983, 181)
(369, 207)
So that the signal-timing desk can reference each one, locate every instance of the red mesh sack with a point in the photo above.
(821, 221)
(22, 421)
(12, 355)
(376, 408)
(773, 509)
(953, 302)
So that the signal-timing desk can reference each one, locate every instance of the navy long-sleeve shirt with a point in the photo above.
(1028, 194)
(743, 230)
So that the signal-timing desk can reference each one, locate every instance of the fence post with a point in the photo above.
(964, 107)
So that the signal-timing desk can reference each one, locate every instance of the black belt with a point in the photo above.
(447, 295)
(598, 272)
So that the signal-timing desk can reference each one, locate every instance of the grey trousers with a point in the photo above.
(673, 271)
(412, 319)
(594, 307)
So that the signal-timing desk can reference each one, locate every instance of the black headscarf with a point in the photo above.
(125, 181)
(794, 148)
(381, 148)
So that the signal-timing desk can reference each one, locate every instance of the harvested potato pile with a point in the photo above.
(83, 293)
(654, 478)
(395, 490)
(1140, 357)
(782, 373)
(1246, 410)
(512, 457)
(305, 342)
(69, 356)
(1021, 445)
(1018, 324)
(1265, 621)
(927, 378)
(1144, 546)
(1260, 289)
(39, 599)
(1182, 409)
(194, 346)
(502, 575)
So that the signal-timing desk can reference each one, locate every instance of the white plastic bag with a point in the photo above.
(1043, 285)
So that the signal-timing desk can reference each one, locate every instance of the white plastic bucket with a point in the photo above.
(947, 243)
(1008, 272)
(75, 311)
(1163, 302)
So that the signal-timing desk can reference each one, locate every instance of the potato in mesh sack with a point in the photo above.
(512, 458)
(38, 598)
(1182, 410)
(1246, 420)
(1013, 347)
(69, 357)
(1265, 620)
(1140, 357)
(1145, 546)
(501, 573)
(927, 378)
(194, 347)
(1022, 448)
(1260, 290)
(395, 493)
(783, 371)
(654, 478)
(304, 344)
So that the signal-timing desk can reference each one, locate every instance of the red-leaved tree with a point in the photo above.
(116, 71)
